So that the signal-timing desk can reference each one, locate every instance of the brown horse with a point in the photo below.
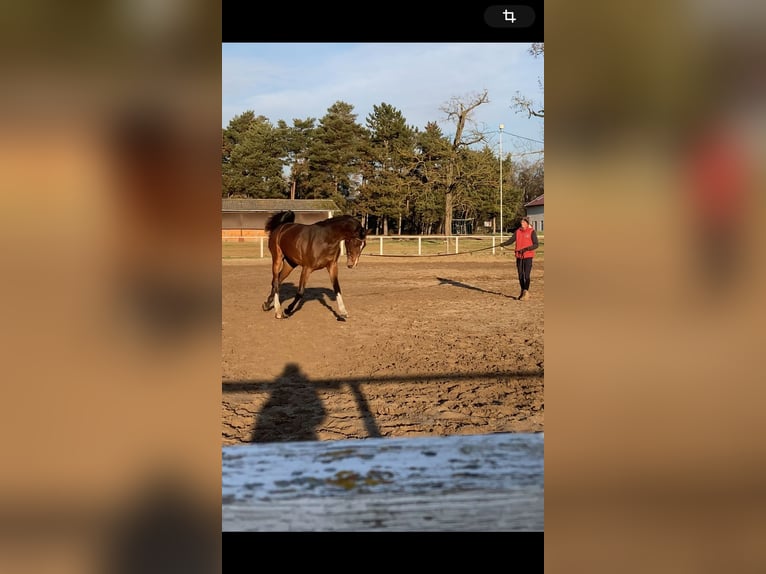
(311, 247)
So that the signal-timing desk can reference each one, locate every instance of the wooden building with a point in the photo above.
(246, 218)
(534, 211)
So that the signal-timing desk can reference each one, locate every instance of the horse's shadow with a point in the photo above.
(288, 291)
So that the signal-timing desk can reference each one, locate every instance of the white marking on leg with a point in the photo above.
(341, 306)
(277, 306)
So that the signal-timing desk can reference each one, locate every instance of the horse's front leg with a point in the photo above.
(332, 269)
(305, 272)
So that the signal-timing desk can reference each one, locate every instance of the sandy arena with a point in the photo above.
(432, 346)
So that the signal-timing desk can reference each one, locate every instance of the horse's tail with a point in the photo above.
(278, 219)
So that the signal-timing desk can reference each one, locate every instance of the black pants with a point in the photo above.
(524, 267)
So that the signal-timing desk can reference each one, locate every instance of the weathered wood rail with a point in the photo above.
(491, 482)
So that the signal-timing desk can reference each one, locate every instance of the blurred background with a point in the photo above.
(110, 305)
(110, 302)
(654, 178)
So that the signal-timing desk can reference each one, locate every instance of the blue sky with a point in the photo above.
(283, 81)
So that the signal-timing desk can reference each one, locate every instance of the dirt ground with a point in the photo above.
(431, 346)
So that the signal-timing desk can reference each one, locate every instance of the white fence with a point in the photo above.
(413, 245)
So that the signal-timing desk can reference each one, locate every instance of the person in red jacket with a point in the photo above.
(525, 238)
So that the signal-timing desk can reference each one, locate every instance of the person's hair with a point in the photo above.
(525, 219)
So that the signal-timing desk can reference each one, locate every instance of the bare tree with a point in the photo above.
(524, 104)
(459, 110)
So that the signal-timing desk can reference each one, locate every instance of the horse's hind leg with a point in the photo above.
(305, 272)
(269, 303)
(279, 273)
(279, 270)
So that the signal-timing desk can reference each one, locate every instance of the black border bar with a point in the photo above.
(379, 22)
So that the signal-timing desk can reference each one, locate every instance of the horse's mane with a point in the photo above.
(278, 219)
(349, 223)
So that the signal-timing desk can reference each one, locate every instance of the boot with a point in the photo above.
(524, 295)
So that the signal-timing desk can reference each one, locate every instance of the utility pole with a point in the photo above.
(501, 182)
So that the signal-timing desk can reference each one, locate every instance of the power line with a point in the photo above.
(528, 153)
(525, 138)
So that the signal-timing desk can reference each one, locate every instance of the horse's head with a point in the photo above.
(354, 247)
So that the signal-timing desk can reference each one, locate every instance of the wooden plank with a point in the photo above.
(488, 482)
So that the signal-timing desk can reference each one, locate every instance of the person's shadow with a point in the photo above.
(445, 281)
(293, 412)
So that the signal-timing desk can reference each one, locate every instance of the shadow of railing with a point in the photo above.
(294, 409)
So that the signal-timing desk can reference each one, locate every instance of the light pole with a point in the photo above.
(501, 182)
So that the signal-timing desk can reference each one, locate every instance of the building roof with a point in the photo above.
(278, 205)
(536, 201)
